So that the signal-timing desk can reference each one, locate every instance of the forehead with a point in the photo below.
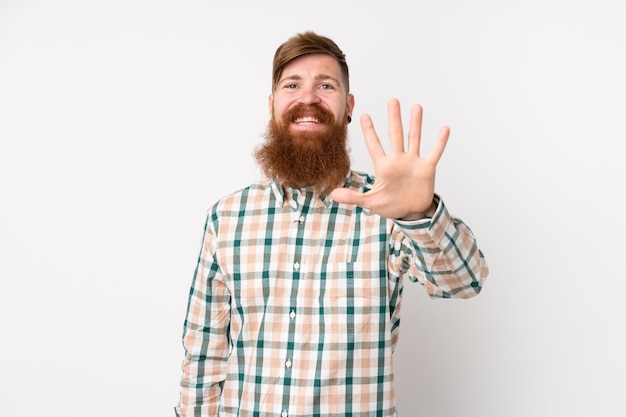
(314, 65)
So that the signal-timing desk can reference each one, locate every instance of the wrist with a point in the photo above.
(425, 215)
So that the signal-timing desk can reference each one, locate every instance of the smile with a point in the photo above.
(306, 121)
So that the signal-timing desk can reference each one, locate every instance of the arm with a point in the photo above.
(443, 254)
(205, 337)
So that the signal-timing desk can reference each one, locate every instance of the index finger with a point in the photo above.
(374, 148)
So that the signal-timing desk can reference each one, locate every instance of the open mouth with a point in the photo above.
(307, 120)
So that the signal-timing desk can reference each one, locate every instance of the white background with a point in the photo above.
(122, 121)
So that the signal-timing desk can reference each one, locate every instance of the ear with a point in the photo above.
(270, 103)
(350, 105)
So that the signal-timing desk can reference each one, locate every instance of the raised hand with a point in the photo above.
(404, 186)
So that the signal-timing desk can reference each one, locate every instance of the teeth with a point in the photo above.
(306, 120)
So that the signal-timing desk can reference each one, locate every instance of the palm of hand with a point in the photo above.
(404, 182)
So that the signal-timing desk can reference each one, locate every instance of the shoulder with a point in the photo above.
(359, 181)
(233, 204)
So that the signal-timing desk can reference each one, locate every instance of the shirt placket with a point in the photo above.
(302, 206)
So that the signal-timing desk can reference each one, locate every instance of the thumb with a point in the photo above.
(347, 196)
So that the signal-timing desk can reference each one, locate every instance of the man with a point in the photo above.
(295, 303)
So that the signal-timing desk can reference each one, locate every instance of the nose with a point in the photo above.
(309, 96)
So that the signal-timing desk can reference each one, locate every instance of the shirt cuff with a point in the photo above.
(428, 229)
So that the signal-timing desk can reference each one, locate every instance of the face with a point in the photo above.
(314, 79)
(306, 137)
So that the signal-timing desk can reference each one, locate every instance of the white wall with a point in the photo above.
(122, 121)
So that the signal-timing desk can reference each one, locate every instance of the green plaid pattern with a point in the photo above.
(294, 308)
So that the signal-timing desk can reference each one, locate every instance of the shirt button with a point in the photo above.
(284, 413)
(301, 219)
(288, 363)
(296, 266)
(292, 314)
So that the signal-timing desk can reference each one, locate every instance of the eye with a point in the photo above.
(290, 86)
(327, 87)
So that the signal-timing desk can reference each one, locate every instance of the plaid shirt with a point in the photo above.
(295, 303)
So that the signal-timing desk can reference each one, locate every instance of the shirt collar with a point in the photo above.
(295, 197)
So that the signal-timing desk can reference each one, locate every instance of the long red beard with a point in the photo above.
(305, 159)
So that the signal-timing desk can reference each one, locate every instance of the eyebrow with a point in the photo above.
(321, 77)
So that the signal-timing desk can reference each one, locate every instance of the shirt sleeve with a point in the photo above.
(205, 337)
(441, 253)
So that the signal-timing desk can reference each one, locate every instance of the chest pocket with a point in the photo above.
(353, 299)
